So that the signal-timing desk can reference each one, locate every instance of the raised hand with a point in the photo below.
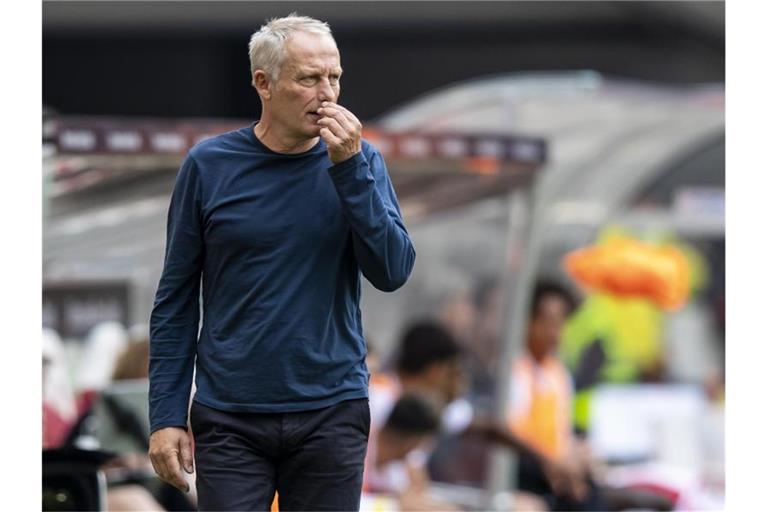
(341, 131)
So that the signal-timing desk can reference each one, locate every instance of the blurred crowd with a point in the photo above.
(434, 419)
(95, 422)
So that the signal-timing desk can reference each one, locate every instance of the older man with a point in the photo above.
(280, 219)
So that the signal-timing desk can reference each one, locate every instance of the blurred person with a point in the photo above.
(131, 498)
(488, 301)
(103, 345)
(541, 392)
(397, 455)
(55, 427)
(410, 425)
(459, 313)
(130, 488)
(58, 400)
(280, 218)
(98, 356)
(540, 401)
(541, 405)
(138, 332)
(133, 362)
(396, 459)
(428, 362)
(383, 382)
(61, 431)
(127, 474)
(373, 358)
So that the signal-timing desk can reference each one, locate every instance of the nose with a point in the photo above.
(325, 91)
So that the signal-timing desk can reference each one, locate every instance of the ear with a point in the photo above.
(260, 82)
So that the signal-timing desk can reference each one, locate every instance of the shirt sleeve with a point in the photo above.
(175, 317)
(381, 243)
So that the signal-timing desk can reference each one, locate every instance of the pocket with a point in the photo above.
(199, 415)
(193, 412)
(366, 415)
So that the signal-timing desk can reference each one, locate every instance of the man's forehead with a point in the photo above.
(311, 45)
(314, 64)
(309, 52)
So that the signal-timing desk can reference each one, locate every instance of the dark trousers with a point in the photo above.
(313, 459)
(531, 478)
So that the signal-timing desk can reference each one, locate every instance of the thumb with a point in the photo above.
(185, 449)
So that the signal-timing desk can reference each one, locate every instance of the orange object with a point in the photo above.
(485, 165)
(626, 267)
(540, 405)
(372, 135)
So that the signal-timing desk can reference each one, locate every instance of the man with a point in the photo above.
(410, 425)
(396, 458)
(540, 412)
(280, 218)
(540, 405)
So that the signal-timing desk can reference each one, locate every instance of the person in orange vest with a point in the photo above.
(540, 411)
(541, 391)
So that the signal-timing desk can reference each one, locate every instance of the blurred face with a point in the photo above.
(310, 75)
(449, 378)
(545, 326)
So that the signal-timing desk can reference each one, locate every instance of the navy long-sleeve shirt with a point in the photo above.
(280, 241)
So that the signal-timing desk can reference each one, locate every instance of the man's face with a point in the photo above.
(449, 378)
(310, 75)
(545, 326)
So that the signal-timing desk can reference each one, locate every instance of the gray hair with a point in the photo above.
(266, 49)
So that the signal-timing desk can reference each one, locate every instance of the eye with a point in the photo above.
(307, 80)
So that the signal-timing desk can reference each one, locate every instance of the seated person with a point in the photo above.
(397, 453)
(540, 412)
(408, 430)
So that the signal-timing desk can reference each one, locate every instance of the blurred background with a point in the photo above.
(515, 133)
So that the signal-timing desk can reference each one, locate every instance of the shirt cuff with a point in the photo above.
(155, 428)
(348, 166)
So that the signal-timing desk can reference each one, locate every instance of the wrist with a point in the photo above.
(341, 159)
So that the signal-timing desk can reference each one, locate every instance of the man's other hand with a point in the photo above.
(566, 478)
(341, 131)
(170, 449)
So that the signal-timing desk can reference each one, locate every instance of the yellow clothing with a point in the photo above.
(540, 405)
